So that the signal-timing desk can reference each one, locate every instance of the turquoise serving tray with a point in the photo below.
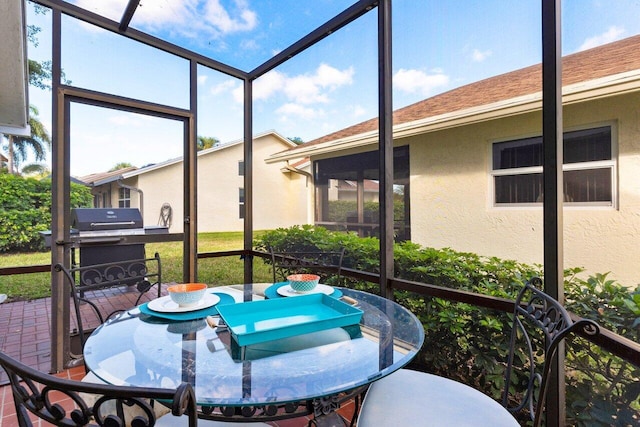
(261, 321)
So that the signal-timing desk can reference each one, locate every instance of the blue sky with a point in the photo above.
(438, 45)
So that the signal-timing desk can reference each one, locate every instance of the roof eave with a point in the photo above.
(579, 92)
(14, 74)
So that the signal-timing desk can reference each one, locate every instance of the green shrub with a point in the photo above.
(470, 343)
(25, 210)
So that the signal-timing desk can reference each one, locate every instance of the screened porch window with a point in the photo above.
(588, 171)
(347, 193)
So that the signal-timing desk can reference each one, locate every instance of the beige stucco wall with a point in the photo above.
(280, 199)
(159, 186)
(451, 203)
(112, 191)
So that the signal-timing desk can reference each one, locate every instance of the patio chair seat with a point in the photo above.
(412, 398)
(539, 324)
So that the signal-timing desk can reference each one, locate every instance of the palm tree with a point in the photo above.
(205, 142)
(36, 170)
(18, 146)
(121, 165)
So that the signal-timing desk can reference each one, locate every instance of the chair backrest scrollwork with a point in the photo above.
(90, 404)
(323, 263)
(540, 323)
(143, 273)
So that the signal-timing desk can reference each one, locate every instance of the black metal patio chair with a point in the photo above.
(64, 402)
(141, 273)
(409, 397)
(325, 264)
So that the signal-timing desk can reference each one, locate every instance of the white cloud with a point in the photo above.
(300, 91)
(292, 109)
(190, 18)
(612, 34)
(327, 76)
(269, 84)
(215, 14)
(359, 111)
(249, 45)
(128, 120)
(227, 85)
(418, 81)
(202, 79)
(303, 88)
(112, 9)
(479, 56)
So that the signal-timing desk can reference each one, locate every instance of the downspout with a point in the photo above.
(137, 190)
(298, 171)
(312, 214)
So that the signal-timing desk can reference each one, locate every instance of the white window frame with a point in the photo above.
(241, 203)
(124, 196)
(612, 164)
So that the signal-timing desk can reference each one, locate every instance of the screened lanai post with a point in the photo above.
(385, 147)
(552, 143)
(248, 181)
(60, 204)
(190, 187)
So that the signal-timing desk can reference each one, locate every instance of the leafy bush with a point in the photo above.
(470, 343)
(25, 210)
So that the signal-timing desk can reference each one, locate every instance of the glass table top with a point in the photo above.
(142, 350)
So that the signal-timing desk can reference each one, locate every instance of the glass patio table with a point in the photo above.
(300, 375)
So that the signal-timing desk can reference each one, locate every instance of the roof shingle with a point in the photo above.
(613, 58)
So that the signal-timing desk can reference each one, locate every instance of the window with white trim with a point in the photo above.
(588, 171)
(241, 203)
(124, 198)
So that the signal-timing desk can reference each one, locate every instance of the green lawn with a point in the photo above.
(214, 271)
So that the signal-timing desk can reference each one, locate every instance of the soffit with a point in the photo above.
(14, 114)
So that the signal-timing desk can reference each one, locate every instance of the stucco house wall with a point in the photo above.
(282, 197)
(452, 205)
(161, 185)
(450, 139)
(279, 197)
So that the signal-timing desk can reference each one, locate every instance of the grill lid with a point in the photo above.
(95, 219)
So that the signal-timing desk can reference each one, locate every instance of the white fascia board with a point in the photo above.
(579, 92)
(17, 131)
(14, 74)
(107, 180)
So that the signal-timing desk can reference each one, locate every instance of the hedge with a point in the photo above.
(25, 210)
(469, 343)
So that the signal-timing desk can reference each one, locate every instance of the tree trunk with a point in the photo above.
(11, 155)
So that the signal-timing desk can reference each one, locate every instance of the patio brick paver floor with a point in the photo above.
(24, 335)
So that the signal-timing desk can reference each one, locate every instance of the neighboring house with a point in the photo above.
(107, 193)
(468, 171)
(280, 200)
(347, 190)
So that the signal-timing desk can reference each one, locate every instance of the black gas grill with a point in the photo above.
(107, 221)
(102, 232)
